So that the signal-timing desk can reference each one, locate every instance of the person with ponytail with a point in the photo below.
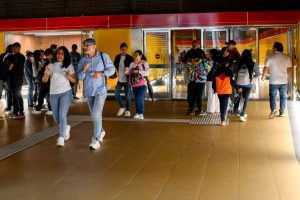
(137, 71)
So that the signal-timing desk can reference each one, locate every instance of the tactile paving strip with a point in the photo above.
(209, 119)
(31, 140)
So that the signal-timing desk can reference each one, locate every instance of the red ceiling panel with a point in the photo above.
(154, 21)
(23, 24)
(78, 23)
(120, 21)
(213, 19)
(274, 17)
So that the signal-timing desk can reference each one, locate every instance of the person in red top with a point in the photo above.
(234, 54)
(233, 60)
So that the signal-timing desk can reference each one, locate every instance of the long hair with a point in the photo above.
(37, 55)
(67, 58)
(141, 54)
(9, 49)
(215, 54)
(246, 59)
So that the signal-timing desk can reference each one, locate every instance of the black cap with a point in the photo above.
(230, 42)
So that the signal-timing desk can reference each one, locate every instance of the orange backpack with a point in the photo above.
(223, 84)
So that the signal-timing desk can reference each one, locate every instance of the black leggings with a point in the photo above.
(223, 98)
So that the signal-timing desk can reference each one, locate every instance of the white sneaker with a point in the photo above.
(127, 114)
(223, 123)
(60, 142)
(242, 118)
(102, 135)
(36, 112)
(136, 116)
(49, 112)
(202, 113)
(95, 144)
(141, 116)
(272, 114)
(121, 112)
(67, 134)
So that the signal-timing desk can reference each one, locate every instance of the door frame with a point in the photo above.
(168, 31)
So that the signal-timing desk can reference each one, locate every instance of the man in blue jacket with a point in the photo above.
(93, 69)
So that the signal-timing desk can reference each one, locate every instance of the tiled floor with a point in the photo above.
(156, 160)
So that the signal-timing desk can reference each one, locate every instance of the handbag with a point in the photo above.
(136, 79)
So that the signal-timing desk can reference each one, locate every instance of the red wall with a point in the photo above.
(154, 21)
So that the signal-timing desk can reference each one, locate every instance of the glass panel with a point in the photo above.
(267, 37)
(181, 43)
(245, 38)
(214, 39)
(157, 53)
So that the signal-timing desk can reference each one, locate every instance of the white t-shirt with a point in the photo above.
(121, 75)
(59, 83)
(278, 63)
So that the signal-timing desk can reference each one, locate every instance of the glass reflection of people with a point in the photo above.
(177, 60)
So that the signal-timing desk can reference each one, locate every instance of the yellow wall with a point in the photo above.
(109, 40)
(2, 43)
(265, 46)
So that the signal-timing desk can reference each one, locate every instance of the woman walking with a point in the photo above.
(61, 73)
(138, 70)
(247, 70)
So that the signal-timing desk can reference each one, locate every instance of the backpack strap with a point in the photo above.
(101, 54)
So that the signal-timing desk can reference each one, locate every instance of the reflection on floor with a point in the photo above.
(157, 160)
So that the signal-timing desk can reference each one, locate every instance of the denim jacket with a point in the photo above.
(93, 87)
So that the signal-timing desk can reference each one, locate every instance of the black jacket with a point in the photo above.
(3, 68)
(127, 62)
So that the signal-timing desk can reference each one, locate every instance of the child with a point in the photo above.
(222, 85)
(137, 72)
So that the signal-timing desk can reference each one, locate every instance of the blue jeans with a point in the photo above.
(139, 94)
(282, 93)
(127, 88)
(96, 104)
(32, 90)
(60, 104)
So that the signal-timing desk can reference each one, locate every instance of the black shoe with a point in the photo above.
(75, 98)
(281, 114)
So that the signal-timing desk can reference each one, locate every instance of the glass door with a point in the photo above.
(181, 41)
(246, 38)
(157, 51)
(214, 38)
